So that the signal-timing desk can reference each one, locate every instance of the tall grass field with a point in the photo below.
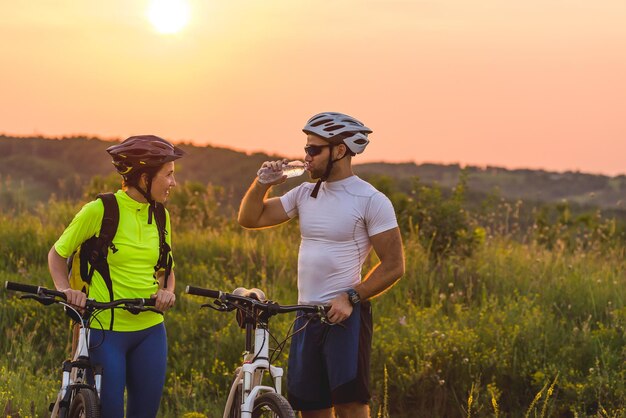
(504, 319)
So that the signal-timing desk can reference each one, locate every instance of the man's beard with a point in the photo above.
(316, 173)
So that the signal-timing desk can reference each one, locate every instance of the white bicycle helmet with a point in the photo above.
(339, 128)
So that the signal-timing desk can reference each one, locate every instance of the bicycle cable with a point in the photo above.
(281, 346)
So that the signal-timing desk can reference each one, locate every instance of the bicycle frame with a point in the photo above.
(251, 373)
(75, 371)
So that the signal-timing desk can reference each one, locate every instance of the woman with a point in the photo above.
(132, 349)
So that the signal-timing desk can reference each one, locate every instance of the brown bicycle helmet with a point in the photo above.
(142, 151)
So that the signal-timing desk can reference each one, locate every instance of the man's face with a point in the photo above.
(316, 162)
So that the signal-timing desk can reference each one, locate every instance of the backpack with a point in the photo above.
(92, 254)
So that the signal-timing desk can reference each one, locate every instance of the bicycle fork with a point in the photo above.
(251, 375)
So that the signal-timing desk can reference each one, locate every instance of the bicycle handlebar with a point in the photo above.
(43, 292)
(199, 291)
(29, 288)
(266, 306)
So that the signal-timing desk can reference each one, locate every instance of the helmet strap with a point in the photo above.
(316, 189)
(146, 193)
(329, 167)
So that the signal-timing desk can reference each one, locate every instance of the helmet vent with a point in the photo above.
(321, 122)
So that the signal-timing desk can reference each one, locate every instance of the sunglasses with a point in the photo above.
(313, 150)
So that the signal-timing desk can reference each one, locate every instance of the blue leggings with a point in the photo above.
(133, 360)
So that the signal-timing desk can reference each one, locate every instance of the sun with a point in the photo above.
(168, 16)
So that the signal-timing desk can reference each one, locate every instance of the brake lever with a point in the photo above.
(44, 300)
(135, 310)
(221, 307)
(154, 310)
(323, 315)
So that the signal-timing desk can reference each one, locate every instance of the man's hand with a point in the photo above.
(75, 297)
(165, 299)
(340, 308)
(273, 166)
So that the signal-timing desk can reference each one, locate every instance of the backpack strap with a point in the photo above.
(95, 250)
(110, 221)
(165, 260)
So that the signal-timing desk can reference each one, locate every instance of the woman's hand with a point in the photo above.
(75, 297)
(165, 299)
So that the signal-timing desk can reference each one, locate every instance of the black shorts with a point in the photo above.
(330, 365)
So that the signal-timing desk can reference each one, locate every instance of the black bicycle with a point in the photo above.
(248, 397)
(79, 396)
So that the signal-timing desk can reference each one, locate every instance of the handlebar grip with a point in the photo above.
(20, 287)
(192, 290)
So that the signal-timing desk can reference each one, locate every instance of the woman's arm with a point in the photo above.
(165, 297)
(58, 270)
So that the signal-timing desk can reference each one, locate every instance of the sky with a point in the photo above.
(537, 84)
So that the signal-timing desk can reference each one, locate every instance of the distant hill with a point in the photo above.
(43, 166)
(535, 185)
(63, 166)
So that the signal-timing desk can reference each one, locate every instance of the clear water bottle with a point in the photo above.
(291, 169)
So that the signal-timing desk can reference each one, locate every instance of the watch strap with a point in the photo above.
(353, 296)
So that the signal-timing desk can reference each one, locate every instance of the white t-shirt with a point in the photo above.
(335, 228)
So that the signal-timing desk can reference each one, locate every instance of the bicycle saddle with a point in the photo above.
(253, 293)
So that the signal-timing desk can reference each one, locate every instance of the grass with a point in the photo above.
(514, 330)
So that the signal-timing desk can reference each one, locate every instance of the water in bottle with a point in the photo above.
(291, 169)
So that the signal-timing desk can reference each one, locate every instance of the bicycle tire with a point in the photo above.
(85, 405)
(235, 407)
(272, 404)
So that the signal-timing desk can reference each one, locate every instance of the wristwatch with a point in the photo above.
(353, 297)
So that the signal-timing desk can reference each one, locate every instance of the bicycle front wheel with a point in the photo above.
(273, 405)
(235, 407)
(85, 405)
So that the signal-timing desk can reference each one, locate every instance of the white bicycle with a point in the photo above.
(79, 396)
(248, 396)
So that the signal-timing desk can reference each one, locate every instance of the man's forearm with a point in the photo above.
(252, 204)
(378, 280)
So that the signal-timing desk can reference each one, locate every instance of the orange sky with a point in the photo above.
(532, 83)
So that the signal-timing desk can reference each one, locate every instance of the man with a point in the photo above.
(341, 218)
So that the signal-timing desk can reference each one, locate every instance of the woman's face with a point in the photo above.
(162, 182)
